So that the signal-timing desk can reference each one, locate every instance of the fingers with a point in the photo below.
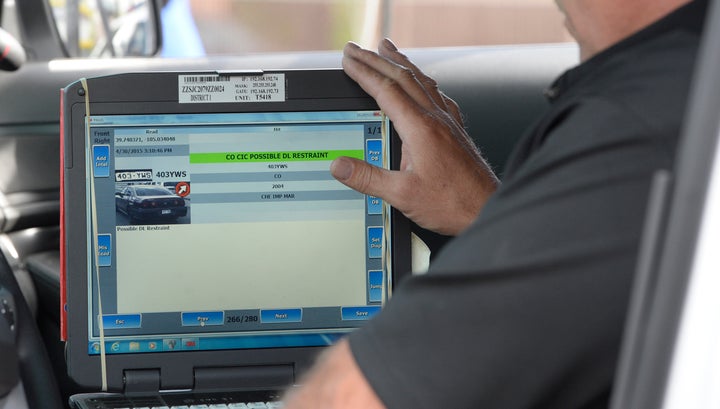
(390, 68)
(401, 91)
(419, 87)
(365, 178)
(443, 181)
(453, 109)
(391, 84)
(388, 50)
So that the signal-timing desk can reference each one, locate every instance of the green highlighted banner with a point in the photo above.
(279, 156)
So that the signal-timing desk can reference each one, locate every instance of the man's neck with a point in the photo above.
(616, 20)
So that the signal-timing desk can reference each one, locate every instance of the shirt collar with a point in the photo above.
(689, 17)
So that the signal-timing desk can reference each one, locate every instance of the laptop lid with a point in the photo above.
(205, 243)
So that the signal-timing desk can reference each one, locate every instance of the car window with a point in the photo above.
(9, 18)
(150, 191)
(105, 28)
(241, 26)
(193, 28)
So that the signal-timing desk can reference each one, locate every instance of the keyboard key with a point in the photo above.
(257, 405)
(237, 406)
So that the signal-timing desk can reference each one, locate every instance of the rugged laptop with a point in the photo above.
(208, 254)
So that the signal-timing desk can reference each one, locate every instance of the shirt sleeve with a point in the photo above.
(526, 308)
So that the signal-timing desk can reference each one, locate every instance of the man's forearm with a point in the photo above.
(335, 382)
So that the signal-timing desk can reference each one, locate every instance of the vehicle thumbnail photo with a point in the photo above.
(150, 203)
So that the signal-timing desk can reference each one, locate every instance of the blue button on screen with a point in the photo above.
(201, 319)
(359, 313)
(281, 316)
(101, 161)
(104, 242)
(375, 239)
(122, 321)
(374, 205)
(375, 286)
(373, 152)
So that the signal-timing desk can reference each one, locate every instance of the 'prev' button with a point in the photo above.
(201, 319)
(373, 152)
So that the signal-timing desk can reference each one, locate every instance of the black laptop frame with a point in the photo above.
(157, 93)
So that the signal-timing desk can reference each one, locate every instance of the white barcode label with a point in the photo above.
(192, 79)
(210, 88)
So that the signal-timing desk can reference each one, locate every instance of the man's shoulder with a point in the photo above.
(651, 80)
(638, 94)
(631, 91)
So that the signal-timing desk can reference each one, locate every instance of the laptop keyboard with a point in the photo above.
(252, 405)
(246, 400)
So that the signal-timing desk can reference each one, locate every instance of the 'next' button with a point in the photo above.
(281, 316)
(201, 319)
(359, 313)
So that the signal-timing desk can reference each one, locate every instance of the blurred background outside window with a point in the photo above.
(248, 26)
(191, 28)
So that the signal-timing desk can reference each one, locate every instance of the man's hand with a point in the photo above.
(335, 382)
(443, 182)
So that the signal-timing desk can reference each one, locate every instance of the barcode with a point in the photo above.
(205, 78)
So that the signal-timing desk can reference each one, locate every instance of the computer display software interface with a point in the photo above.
(223, 231)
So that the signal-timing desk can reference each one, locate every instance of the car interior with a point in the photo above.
(499, 89)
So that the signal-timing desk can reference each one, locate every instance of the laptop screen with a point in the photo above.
(225, 231)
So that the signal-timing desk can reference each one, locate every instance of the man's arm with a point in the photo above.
(335, 382)
(443, 182)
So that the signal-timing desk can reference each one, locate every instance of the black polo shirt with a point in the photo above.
(526, 308)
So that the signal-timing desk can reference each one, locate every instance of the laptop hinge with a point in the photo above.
(141, 381)
(244, 378)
